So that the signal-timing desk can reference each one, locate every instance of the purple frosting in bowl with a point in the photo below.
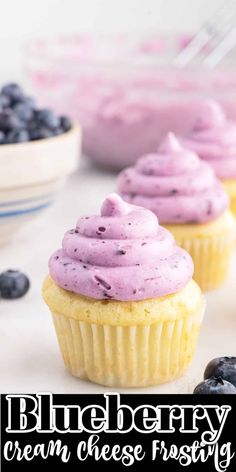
(175, 185)
(122, 254)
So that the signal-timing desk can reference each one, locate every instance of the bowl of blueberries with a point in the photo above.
(38, 150)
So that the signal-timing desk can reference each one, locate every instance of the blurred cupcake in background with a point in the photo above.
(125, 308)
(213, 138)
(38, 150)
(188, 199)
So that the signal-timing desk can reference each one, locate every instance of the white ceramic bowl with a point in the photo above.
(30, 175)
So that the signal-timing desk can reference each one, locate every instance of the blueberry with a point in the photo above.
(9, 121)
(2, 137)
(28, 101)
(21, 121)
(4, 101)
(18, 136)
(58, 131)
(214, 385)
(13, 284)
(40, 133)
(65, 123)
(47, 118)
(224, 367)
(13, 91)
(32, 125)
(23, 111)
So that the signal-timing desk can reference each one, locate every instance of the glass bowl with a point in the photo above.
(124, 90)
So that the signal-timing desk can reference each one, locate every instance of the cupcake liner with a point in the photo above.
(211, 257)
(127, 356)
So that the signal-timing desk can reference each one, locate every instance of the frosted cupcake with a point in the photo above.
(188, 199)
(213, 138)
(124, 305)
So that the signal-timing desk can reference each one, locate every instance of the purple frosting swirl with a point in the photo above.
(123, 254)
(175, 184)
(213, 138)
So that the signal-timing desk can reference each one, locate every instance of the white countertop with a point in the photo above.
(30, 360)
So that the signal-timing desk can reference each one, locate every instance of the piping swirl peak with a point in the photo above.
(122, 254)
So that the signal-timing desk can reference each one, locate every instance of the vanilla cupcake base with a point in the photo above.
(126, 344)
(210, 245)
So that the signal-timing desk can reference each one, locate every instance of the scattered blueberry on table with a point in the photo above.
(224, 367)
(13, 284)
(215, 385)
(219, 377)
(22, 121)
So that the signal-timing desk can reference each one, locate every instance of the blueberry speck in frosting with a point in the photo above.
(56, 258)
(174, 191)
(101, 229)
(209, 208)
(75, 250)
(102, 282)
(120, 252)
(143, 244)
(107, 295)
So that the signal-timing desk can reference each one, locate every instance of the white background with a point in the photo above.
(22, 20)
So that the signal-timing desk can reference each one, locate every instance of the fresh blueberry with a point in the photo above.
(65, 123)
(58, 131)
(28, 101)
(18, 136)
(4, 101)
(23, 111)
(40, 133)
(9, 121)
(13, 91)
(2, 137)
(21, 121)
(214, 385)
(224, 367)
(13, 284)
(47, 118)
(32, 125)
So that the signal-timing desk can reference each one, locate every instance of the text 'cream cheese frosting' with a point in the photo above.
(213, 138)
(175, 184)
(122, 254)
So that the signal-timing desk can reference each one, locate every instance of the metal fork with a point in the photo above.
(220, 30)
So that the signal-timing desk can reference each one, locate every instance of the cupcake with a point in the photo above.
(213, 138)
(126, 310)
(188, 199)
